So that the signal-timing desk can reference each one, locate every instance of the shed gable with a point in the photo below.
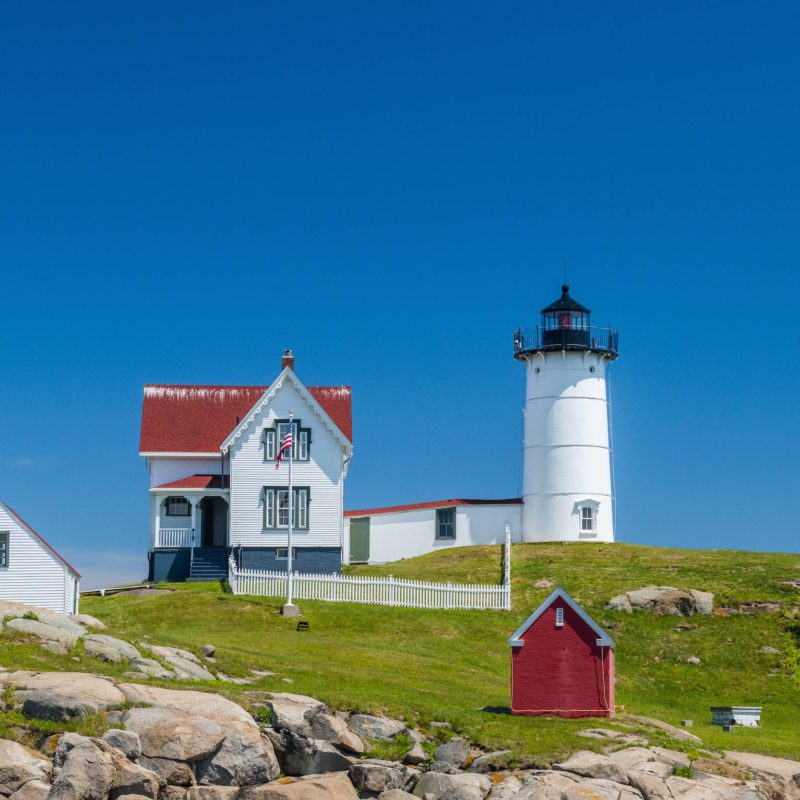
(518, 637)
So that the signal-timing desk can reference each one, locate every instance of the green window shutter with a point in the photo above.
(5, 538)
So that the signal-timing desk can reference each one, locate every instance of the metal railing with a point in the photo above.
(586, 337)
(174, 537)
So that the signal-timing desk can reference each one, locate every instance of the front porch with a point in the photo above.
(191, 520)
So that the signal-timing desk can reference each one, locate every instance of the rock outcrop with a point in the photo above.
(190, 745)
(665, 601)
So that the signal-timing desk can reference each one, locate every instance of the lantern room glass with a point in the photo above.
(575, 320)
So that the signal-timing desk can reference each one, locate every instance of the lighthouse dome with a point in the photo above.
(565, 303)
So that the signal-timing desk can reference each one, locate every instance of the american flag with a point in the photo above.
(286, 445)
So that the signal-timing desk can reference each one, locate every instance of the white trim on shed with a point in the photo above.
(603, 639)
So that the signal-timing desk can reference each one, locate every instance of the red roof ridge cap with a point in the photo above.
(455, 501)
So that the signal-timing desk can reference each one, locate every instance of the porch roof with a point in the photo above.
(199, 482)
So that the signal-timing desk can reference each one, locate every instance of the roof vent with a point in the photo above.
(287, 360)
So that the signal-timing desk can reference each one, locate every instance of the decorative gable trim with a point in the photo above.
(266, 398)
(603, 639)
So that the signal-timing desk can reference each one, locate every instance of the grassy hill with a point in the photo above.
(437, 665)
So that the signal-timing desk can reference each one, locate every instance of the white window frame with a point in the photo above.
(285, 551)
(269, 508)
(176, 499)
(588, 514)
(269, 444)
(559, 617)
(5, 546)
(303, 438)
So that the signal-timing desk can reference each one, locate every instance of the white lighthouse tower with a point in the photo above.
(568, 491)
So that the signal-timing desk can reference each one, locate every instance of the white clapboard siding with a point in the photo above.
(322, 474)
(34, 574)
(387, 591)
(166, 469)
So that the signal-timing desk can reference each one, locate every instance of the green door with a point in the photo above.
(359, 539)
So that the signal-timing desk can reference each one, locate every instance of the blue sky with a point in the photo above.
(390, 189)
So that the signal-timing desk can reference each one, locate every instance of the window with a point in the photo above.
(445, 523)
(587, 519)
(276, 507)
(302, 444)
(178, 507)
(301, 440)
(269, 444)
(559, 618)
(282, 553)
(4, 538)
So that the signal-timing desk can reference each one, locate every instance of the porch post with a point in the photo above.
(157, 531)
(193, 504)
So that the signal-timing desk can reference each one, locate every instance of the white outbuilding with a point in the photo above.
(31, 571)
(379, 535)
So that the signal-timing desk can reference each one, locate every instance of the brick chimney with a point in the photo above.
(287, 360)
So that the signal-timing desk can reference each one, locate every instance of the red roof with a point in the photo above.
(198, 482)
(458, 501)
(30, 530)
(197, 419)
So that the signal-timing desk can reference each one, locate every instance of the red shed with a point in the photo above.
(562, 662)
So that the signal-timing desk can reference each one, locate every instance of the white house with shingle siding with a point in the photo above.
(31, 571)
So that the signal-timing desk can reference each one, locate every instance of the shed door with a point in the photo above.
(359, 539)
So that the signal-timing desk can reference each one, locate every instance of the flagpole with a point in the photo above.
(291, 510)
(290, 609)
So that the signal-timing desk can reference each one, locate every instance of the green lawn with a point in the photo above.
(451, 665)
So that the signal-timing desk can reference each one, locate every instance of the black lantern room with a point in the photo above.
(565, 325)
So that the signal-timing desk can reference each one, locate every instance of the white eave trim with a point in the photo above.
(269, 394)
(179, 455)
(603, 639)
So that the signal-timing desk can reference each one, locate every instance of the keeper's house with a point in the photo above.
(31, 571)
(562, 662)
(214, 487)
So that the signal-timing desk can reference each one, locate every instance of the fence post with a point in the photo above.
(391, 590)
(448, 603)
(507, 568)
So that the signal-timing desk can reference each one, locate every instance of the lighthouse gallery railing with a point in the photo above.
(568, 337)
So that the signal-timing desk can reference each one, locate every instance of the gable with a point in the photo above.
(197, 419)
(336, 395)
(560, 597)
(16, 520)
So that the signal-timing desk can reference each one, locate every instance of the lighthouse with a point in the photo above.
(567, 472)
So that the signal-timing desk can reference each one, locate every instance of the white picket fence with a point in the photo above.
(385, 591)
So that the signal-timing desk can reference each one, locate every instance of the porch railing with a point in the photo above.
(174, 537)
